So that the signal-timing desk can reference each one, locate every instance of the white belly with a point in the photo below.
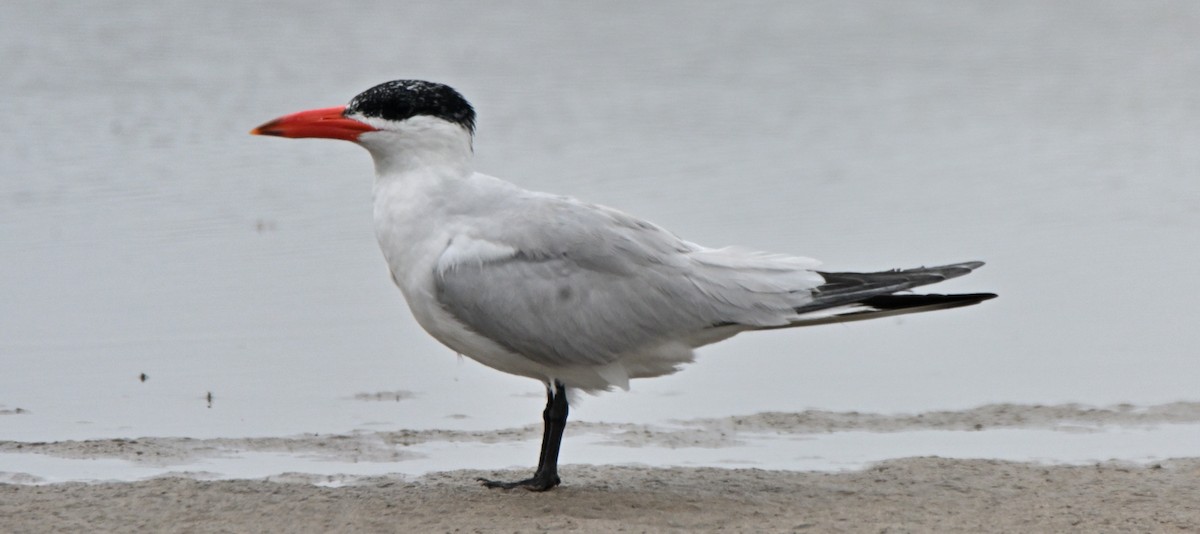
(419, 237)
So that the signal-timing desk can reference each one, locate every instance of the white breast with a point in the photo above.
(419, 240)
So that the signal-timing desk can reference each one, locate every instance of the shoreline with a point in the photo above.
(911, 494)
(808, 441)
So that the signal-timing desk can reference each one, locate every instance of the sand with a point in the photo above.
(924, 494)
(390, 446)
(906, 495)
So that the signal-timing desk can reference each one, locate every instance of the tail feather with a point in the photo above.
(857, 296)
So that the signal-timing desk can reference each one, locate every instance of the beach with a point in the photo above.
(386, 481)
(906, 495)
(198, 333)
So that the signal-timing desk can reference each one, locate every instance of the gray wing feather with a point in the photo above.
(588, 284)
(556, 312)
(841, 289)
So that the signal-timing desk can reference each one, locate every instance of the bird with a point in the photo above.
(578, 296)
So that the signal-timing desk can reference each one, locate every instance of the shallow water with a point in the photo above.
(809, 441)
(143, 230)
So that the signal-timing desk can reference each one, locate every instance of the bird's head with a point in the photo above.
(394, 116)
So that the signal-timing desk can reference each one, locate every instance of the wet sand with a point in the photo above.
(906, 495)
(922, 494)
(390, 446)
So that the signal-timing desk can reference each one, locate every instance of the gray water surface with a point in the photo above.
(143, 231)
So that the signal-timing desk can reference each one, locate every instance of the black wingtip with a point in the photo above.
(903, 301)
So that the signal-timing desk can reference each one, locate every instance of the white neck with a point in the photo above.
(420, 143)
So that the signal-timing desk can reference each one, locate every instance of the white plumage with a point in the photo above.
(572, 294)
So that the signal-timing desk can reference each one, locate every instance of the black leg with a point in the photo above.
(555, 419)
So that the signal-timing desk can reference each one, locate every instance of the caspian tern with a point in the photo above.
(575, 295)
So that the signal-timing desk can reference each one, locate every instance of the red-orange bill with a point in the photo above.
(326, 123)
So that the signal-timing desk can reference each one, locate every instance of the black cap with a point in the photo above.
(402, 99)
